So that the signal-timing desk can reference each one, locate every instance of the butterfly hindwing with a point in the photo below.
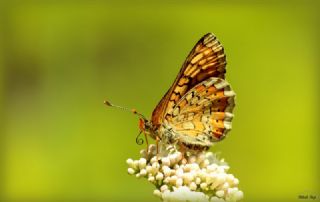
(204, 114)
(207, 59)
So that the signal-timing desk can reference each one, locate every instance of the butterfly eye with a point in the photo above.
(142, 125)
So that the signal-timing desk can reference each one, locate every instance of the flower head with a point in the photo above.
(196, 176)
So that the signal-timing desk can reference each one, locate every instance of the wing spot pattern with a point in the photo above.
(176, 111)
(188, 125)
(196, 58)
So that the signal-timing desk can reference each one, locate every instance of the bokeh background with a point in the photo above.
(60, 59)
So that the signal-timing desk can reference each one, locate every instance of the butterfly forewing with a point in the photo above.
(207, 59)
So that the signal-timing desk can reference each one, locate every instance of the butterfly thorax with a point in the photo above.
(164, 132)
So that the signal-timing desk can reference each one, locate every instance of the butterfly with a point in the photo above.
(197, 109)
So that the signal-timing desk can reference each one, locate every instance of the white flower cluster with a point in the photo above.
(194, 177)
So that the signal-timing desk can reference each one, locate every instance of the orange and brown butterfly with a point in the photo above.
(197, 109)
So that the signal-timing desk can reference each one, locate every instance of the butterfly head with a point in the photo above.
(145, 126)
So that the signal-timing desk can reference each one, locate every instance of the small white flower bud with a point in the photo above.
(179, 182)
(138, 175)
(219, 179)
(202, 174)
(142, 163)
(187, 178)
(187, 167)
(165, 192)
(235, 181)
(220, 193)
(211, 178)
(165, 161)
(173, 180)
(129, 162)
(225, 186)
(154, 171)
(221, 176)
(164, 167)
(232, 190)
(151, 179)
(143, 152)
(153, 159)
(172, 158)
(135, 164)
(212, 168)
(184, 161)
(209, 155)
(166, 170)
(233, 194)
(163, 188)
(143, 172)
(131, 171)
(166, 180)
(198, 180)
(230, 178)
(201, 157)
(192, 159)
(193, 186)
(178, 156)
(157, 193)
(149, 168)
(203, 186)
(205, 163)
(179, 172)
(194, 173)
(159, 176)
(155, 165)
(219, 170)
(195, 167)
(239, 195)
(225, 167)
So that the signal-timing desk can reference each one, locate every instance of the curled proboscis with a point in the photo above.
(139, 140)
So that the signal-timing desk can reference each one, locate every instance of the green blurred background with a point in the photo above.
(60, 60)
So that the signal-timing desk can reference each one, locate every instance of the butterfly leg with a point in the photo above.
(147, 150)
(157, 144)
(183, 150)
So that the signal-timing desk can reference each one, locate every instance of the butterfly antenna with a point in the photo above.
(123, 108)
